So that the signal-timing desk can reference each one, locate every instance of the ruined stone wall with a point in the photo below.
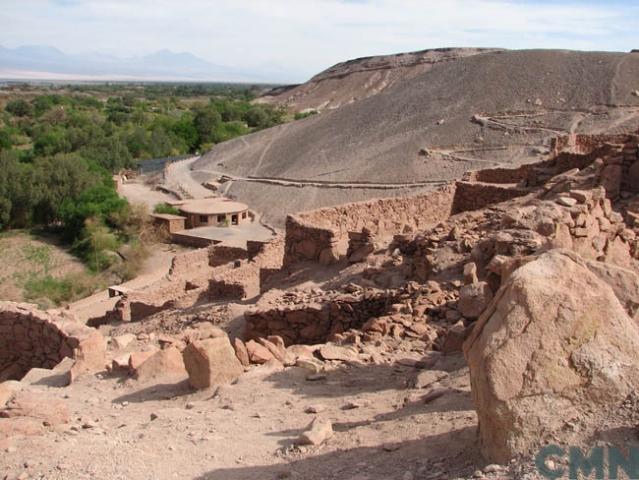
(31, 338)
(474, 196)
(385, 216)
(246, 281)
(501, 175)
(171, 293)
(315, 322)
(585, 143)
(305, 241)
(188, 264)
(322, 234)
(222, 254)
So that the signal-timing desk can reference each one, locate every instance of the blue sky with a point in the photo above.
(301, 37)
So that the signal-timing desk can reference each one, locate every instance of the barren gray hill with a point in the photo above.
(360, 78)
(491, 108)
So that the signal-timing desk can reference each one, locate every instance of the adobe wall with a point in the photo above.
(31, 338)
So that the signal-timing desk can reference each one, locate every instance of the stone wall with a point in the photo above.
(585, 143)
(322, 235)
(222, 254)
(176, 292)
(474, 196)
(246, 280)
(31, 338)
(188, 264)
(305, 241)
(310, 322)
(191, 241)
(501, 175)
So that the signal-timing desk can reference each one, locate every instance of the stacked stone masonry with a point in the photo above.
(322, 235)
(30, 338)
(316, 322)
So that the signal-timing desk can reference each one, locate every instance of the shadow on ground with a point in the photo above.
(156, 392)
(453, 454)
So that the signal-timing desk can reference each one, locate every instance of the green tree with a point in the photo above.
(59, 178)
(19, 108)
(206, 120)
(98, 202)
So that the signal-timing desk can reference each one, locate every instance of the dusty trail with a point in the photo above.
(179, 174)
(289, 182)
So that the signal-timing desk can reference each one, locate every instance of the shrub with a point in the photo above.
(166, 209)
(46, 289)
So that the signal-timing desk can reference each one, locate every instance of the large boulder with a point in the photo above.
(474, 298)
(211, 362)
(555, 345)
(163, 365)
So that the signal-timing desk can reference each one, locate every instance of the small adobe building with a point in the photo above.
(213, 212)
(171, 223)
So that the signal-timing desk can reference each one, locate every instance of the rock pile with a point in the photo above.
(360, 245)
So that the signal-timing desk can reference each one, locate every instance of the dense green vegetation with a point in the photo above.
(60, 145)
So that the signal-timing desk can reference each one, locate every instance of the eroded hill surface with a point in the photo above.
(498, 108)
(353, 80)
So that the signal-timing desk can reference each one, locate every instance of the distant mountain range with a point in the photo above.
(44, 62)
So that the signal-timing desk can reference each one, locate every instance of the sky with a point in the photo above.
(298, 38)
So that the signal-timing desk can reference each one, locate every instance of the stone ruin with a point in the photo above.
(454, 269)
(218, 272)
(31, 338)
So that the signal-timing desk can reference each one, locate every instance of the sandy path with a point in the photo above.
(179, 175)
(155, 268)
(144, 194)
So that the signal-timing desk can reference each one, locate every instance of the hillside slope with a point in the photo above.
(484, 109)
(360, 78)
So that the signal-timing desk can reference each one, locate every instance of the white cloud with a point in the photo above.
(305, 36)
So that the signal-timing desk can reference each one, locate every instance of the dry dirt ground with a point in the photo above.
(136, 192)
(384, 428)
(354, 80)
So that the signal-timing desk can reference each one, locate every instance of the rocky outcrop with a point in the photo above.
(555, 345)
